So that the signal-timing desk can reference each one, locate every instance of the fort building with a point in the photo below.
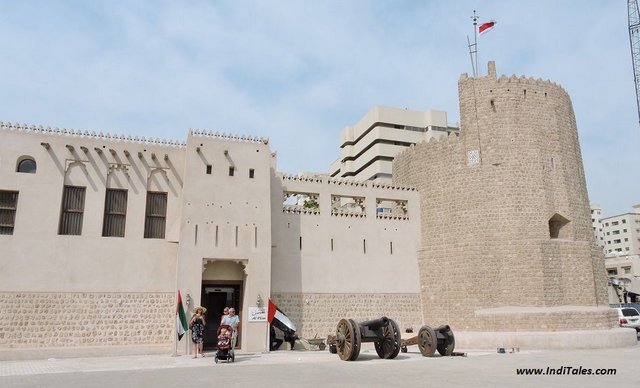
(487, 231)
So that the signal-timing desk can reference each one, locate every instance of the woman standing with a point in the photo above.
(233, 321)
(196, 324)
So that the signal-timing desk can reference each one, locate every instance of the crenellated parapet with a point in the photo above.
(8, 126)
(302, 178)
(229, 136)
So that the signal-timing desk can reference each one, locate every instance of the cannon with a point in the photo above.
(430, 339)
(383, 332)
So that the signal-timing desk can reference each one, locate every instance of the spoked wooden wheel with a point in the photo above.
(427, 341)
(347, 340)
(390, 346)
(445, 348)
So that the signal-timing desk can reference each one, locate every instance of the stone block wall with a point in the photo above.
(318, 314)
(487, 198)
(51, 320)
(546, 319)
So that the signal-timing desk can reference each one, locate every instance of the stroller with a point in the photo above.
(225, 344)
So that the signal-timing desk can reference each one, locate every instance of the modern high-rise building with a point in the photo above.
(596, 224)
(621, 233)
(367, 148)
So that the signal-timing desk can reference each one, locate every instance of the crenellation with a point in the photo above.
(39, 129)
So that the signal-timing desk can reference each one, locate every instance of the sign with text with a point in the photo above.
(257, 314)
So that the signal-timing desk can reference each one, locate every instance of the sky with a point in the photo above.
(299, 71)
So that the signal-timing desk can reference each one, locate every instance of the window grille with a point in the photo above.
(72, 210)
(156, 215)
(8, 206)
(115, 213)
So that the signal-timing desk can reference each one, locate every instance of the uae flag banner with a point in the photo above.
(181, 318)
(278, 319)
(486, 27)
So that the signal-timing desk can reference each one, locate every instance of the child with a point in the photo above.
(223, 338)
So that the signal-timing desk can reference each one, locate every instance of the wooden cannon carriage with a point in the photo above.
(383, 332)
(429, 340)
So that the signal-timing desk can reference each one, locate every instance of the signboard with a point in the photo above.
(257, 314)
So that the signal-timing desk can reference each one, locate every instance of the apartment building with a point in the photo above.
(619, 236)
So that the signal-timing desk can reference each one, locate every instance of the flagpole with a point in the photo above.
(475, 37)
(175, 332)
(473, 48)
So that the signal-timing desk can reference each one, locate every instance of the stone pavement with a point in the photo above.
(311, 368)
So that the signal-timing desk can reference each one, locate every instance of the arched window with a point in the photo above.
(26, 165)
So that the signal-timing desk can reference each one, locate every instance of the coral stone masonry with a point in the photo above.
(506, 240)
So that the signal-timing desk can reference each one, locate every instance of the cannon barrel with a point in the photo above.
(375, 323)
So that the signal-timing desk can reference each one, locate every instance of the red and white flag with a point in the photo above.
(486, 27)
(278, 319)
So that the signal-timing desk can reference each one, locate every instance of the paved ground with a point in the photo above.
(309, 368)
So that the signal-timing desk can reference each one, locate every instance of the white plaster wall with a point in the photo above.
(346, 269)
(217, 199)
(36, 258)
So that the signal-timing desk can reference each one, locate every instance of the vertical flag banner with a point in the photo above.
(486, 27)
(181, 318)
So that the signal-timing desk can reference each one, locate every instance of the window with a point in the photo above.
(612, 271)
(615, 232)
(624, 231)
(8, 206)
(614, 223)
(624, 221)
(72, 210)
(616, 241)
(155, 215)
(558, 226)
(251, 173)
(27, 165)
(231, 171)
(209, 168)
(115, 213)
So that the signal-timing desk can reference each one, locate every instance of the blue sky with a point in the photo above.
(299, 71)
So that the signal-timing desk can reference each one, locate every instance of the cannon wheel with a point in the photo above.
(445, 348)
(346, 338)
(357, 341)
(390, 346)
(427, 341)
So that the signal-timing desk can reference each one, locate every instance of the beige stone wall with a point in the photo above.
(546, 319)
(318, 314)
(485, 223)
(53, 320)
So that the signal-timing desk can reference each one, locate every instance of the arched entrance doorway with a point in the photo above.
(222, 286)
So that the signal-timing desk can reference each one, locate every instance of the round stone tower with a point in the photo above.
(507, 244)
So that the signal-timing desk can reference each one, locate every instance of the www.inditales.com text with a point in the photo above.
(566, 371)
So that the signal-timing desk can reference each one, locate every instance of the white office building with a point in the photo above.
(367, 149)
